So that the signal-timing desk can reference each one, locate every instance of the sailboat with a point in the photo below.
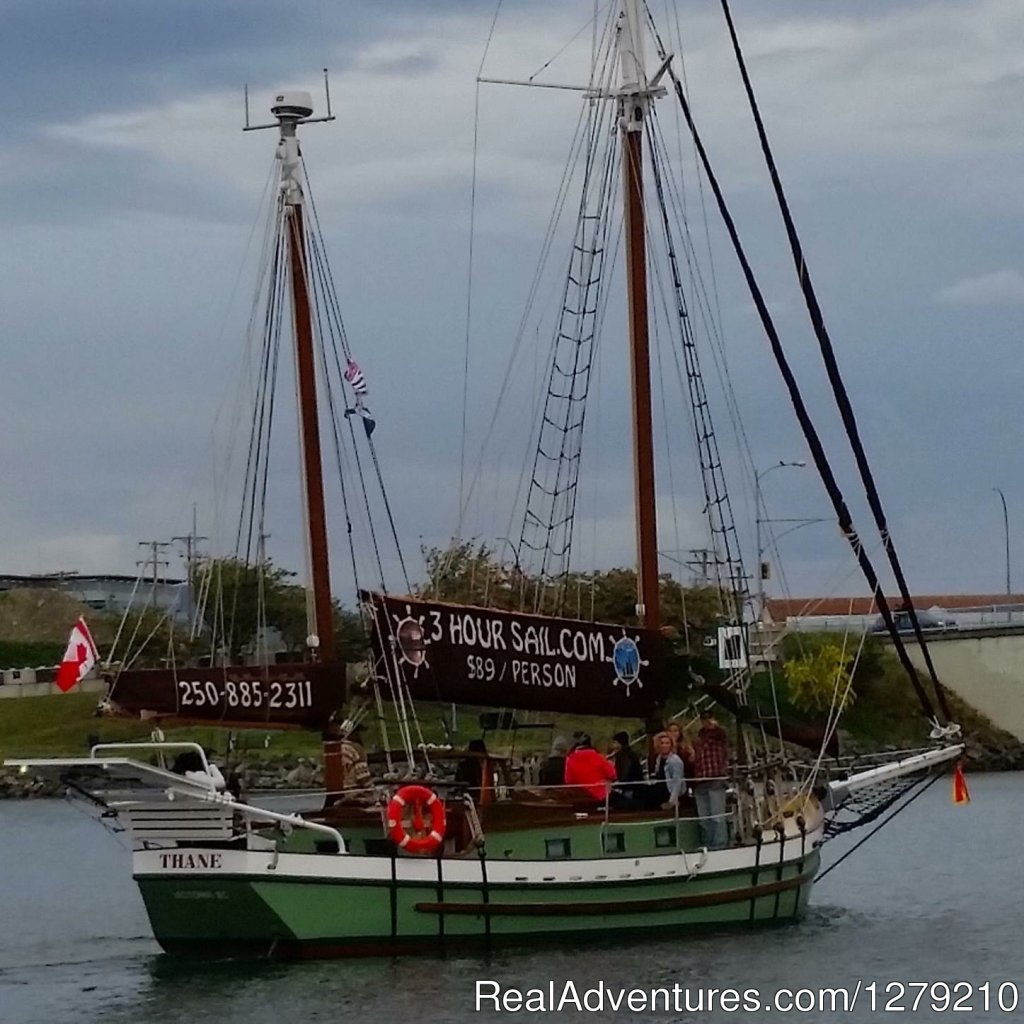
(416, 856)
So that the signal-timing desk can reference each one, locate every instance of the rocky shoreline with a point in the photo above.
(998, 753)
(289, 773)
(304, 773)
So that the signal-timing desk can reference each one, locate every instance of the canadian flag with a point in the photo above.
(79, 658)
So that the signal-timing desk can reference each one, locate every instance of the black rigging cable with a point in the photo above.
(835, 379)
(549, 514)
(257, 462)
(856, 846)
(330, 294)
(796, 398)
(716, 495)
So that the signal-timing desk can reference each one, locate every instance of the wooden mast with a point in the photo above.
(289, 114)
(634, 97)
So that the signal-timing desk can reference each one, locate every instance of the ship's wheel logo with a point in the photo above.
(627, 662)
(412, 640)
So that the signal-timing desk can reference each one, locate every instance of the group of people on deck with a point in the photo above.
(673, 766)
(619, 779)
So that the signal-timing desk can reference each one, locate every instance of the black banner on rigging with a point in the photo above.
(263, 696)
(469, 655)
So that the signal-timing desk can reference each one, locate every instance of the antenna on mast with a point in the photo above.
(327, 96)
(297, 113)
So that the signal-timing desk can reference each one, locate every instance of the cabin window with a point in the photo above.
(615, 842)
(665, 836)
(557, 849)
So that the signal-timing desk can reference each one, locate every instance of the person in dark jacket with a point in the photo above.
(470, 770)
(627, 769)
(589, 771)
(552, 771)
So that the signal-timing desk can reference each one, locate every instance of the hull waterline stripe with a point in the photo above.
(702, 899)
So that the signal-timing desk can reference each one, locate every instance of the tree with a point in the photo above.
(149, 638)
(468, 572)
(244, 597)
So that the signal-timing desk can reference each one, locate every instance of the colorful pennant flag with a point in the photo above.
(355, 377)
(960, 793)
(79, 658)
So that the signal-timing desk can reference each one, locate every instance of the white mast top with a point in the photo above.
(635, 91)
(632, 73)
(290, 108)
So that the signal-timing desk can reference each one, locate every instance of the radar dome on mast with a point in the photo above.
(293, 105)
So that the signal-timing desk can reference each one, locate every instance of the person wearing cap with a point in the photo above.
(589, 771)
(711, 760)
(552, 771)
(627, 769)
(355, 772)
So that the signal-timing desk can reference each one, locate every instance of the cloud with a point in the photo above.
(128, 192)
(998, 288)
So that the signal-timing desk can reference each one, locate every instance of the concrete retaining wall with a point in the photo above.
(46, 689)
(985, 668)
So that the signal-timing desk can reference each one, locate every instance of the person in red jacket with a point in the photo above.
(589, 771)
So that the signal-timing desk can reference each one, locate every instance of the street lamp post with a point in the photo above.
(758, 504)
(1006, 535)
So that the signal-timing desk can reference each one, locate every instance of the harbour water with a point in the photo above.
(935, 897)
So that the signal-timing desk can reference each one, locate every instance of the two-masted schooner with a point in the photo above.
(414, 857)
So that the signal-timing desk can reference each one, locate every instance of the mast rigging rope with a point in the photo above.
(796, 398)
(835, 379)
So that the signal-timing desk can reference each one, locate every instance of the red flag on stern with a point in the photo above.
(960, 794)
(79, 658)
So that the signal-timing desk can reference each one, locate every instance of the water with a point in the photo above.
(935, 896)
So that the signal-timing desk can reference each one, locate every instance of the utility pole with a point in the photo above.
(155, 547)
(699, 562)
(191, 542)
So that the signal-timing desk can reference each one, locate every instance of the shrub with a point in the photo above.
(818, 676)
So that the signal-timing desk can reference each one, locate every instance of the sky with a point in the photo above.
(129, 194)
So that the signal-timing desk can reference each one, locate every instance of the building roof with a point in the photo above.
(72, 579)
(781, 609)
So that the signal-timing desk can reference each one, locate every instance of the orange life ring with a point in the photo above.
(418, 839)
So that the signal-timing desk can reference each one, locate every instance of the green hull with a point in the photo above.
(232, 914)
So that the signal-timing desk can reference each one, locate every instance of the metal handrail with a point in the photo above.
(221, 799)
(154, 745)
(248, 810)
